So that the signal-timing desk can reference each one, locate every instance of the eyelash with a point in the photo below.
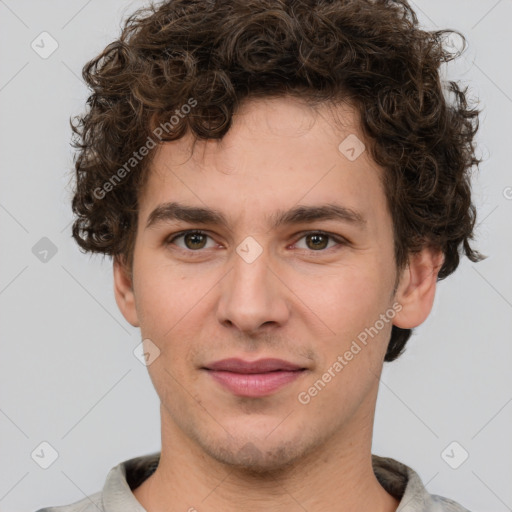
(339, 240)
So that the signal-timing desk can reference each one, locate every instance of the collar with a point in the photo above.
(399, 480)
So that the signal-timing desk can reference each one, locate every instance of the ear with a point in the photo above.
(417, 287)
(123, 290)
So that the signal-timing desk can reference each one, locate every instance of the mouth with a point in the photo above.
(254, 378)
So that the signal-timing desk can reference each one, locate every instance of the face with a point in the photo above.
(294, 262)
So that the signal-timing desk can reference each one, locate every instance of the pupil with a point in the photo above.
(195, 239)
(315, 239)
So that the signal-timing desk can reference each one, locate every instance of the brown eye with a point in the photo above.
(195, 240)
(317, 241)
(192, 240)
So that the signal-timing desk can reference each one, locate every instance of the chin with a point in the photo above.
(257, 457)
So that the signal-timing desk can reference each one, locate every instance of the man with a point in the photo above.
(281, 184)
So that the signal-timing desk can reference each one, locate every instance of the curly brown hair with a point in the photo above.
(371, 53)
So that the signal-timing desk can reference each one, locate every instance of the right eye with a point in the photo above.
(193, 240)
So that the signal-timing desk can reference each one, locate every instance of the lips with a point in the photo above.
(261, 366)
(254, 378)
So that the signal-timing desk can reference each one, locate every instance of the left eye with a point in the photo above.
(319, 241)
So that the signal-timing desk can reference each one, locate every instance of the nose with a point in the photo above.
(252, 296)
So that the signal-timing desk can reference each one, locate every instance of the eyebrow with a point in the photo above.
(174, 211)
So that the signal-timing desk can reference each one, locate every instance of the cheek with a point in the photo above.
(351, 356)
(169, 319)
(348, 298)
(171, 306)
(162, 298)
(350, 306)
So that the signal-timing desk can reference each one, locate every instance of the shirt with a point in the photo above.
(398, 479)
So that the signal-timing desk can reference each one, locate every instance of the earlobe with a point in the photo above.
(416, 290)
(123, 290)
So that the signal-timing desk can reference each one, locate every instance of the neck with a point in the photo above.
(337, 476)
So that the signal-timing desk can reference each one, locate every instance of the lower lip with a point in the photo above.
(254, 384)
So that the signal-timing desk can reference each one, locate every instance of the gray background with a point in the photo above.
(68, 373)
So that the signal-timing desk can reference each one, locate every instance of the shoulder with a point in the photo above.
(445, 505)
(93, 503)
(404, 483)
(116, 495)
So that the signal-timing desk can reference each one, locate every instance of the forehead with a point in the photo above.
(278, 153)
